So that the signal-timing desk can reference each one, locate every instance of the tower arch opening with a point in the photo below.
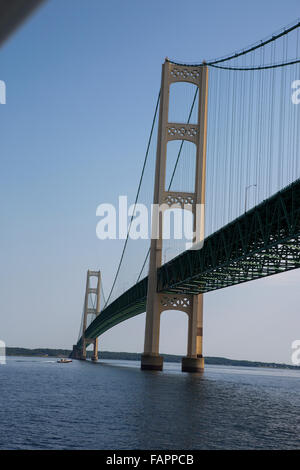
(173, 332)
(181, 99)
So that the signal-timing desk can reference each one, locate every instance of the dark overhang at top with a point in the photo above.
(13, 13)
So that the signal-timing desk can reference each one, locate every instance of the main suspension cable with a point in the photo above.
(262, 67)
(253, 47)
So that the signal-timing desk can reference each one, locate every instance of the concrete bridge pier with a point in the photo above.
(80, 353)
(76, 352)
(151, 360)
(194, 361)
(192, 305)
(95, 350)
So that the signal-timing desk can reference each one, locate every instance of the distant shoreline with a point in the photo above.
(222, 361)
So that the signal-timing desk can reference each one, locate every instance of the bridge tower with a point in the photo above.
(159, 302)
(81, 353)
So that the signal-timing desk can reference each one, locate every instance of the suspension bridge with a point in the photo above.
(227, 140)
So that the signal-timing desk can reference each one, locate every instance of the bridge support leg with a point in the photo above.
(95, 351)
(194, 361)
(151, 360)
(83, 351)
(76, 352)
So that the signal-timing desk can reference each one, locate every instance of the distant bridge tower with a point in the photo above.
(85, 341)
(158, 302)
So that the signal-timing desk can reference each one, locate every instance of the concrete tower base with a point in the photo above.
(76, 353)
(151, 362)
(192, 364)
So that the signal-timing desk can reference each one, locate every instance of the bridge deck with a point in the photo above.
(263, 241)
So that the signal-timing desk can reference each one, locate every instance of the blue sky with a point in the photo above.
(82, 80)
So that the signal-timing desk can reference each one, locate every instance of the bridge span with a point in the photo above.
(242, 132)
(262, 242)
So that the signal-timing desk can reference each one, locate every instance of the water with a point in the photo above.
(114, 405)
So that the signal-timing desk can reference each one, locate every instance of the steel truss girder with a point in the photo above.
(262, 242)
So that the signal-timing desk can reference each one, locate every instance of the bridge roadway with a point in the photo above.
(263, 241)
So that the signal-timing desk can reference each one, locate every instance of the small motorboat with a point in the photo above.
(64, 361)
